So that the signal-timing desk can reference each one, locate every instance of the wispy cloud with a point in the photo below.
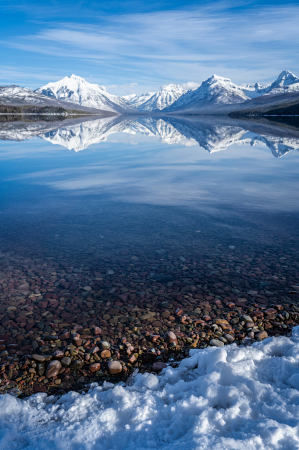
(176, 46)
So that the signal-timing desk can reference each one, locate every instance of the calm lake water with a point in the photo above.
(93, 194)
(141, 183)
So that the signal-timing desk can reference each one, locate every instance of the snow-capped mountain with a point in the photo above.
(12, 94)
(75, 89)
(138, 100)
(165, 97)
(18, 96)
(286, 82)
(212, 92)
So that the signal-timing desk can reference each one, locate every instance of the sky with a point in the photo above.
(138, 46)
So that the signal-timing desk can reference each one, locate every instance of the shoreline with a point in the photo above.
(74, 359)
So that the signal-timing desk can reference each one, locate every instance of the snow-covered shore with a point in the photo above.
(221, 398)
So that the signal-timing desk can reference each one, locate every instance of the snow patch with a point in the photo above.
(230, 398)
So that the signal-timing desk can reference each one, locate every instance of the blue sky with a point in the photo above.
(136, 46)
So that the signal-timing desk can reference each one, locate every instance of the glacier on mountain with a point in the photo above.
(75, 89)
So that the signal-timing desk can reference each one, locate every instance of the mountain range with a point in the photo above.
(212, 134)
(216, 95)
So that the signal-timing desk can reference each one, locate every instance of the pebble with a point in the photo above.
(158, 366)
(105, 344)
(66, 361)
(105, 354)
(228, 337)
(170, 337)
(261, 336)
(53, 368)
(114, 367)
(94, 367)
(39, 358)
(216, 343)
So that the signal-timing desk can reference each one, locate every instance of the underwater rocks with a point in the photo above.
(62, 327)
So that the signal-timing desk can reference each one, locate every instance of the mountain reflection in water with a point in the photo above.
(211, 133)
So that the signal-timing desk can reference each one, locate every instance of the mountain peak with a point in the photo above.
(76, 77)
(218, 78)
(286, 77)
(170, 87)
(285, 82)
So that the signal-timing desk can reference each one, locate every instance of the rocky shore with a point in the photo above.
(64, 327)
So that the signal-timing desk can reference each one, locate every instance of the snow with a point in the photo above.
(9, 94)
(228, 398)
(285, 82)
(138, 100)
(215, 90)
(165, 97)
(76, 90)
(254, 90)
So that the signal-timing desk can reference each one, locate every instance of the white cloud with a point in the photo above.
(190, 85)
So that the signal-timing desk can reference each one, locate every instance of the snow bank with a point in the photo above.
(219, 398)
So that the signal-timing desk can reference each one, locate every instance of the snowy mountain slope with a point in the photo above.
(254, 90)
(138, 100)
(212, 92)
(18, 96)
(165, 97)
(75, 89)
(286, 82)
